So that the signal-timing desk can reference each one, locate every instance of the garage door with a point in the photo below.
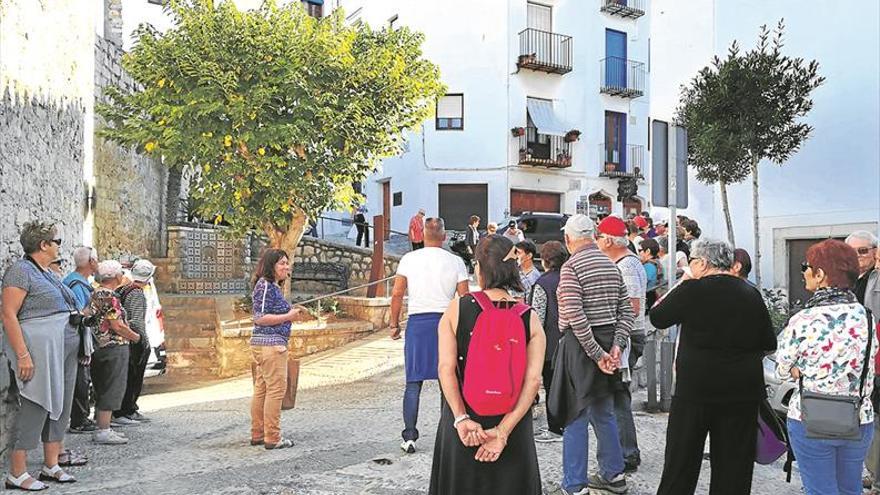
(459, 201)
(521, 201)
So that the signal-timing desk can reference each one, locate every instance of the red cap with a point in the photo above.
(612, 226)
(640, 222)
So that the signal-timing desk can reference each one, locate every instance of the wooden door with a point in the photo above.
(386, 207)
(521, 201)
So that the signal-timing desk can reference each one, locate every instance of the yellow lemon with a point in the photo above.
(160, 83)
(150, 146)
(261, 151)
(207, 167)
(227, 141)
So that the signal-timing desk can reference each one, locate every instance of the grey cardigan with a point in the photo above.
(872, 292)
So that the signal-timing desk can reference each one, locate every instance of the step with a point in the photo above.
(177, 344)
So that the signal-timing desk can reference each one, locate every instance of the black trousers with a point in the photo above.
(81, 409)
(137, 364)
(363, 235)
(417, 245)
(732, 430)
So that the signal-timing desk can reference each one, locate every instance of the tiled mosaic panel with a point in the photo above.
(212, 286)
(207, 254)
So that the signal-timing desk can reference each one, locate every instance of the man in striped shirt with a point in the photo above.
(594, 305)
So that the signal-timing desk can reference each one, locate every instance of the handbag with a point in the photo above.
(772, 435)
(835, 417)
(289, 400)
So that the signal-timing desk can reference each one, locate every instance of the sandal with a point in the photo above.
(18, 483)
(55, 475)
(284, 443)
(256, 441)
(70, 458)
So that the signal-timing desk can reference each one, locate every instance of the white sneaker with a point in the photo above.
(408, 446)
(123, 421)
(108, 437)
(546, 436)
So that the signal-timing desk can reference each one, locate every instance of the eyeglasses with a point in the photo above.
(804, 266)
(56, 241)
(864, 251)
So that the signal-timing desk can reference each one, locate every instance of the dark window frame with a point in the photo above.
(397, 199)
(437, 119)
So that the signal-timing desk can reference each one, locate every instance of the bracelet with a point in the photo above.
(22, 356)
(459, 419)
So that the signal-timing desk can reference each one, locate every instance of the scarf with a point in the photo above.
(829, 296)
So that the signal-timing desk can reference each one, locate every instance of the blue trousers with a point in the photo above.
(576, 444)
(411, 396)
(829, 467)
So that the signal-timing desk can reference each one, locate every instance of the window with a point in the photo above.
(615, 141)
(450, 112)
(314, 9)
(540, 17)
(398, 199)
(392, 22)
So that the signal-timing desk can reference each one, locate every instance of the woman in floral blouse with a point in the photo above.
(825, 344)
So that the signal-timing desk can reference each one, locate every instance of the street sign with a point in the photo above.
(668, 145)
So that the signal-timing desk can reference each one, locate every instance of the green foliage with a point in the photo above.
(276, 113)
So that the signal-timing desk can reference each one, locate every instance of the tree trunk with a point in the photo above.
(757, 225)
(288, 239)
(725, 205)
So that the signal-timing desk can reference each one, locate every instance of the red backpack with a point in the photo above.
(496, 358)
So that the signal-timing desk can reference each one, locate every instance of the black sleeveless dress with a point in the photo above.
(455, 471)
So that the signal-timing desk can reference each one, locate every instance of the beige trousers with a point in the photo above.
(270, 382)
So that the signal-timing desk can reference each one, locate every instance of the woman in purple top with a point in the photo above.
(272, 318)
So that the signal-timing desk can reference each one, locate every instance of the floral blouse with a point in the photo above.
(106, 307)
(827, 344)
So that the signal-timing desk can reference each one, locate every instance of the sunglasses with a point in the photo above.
(56, 241)
(804, 266)
(864, 251)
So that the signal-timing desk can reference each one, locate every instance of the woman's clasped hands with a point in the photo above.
(490, 442)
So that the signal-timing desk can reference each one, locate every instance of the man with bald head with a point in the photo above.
(431, 277)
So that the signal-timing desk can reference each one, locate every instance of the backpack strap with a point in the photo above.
(484, 301)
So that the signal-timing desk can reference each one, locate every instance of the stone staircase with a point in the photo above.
(190, 333)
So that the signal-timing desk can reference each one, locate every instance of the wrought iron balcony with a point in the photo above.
(615, 165)
(629, 9)
(544, 150)
(622, 77)
(544, 51)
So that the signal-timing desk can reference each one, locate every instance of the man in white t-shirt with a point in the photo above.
(431, 277)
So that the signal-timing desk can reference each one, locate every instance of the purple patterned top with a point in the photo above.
(268, 300)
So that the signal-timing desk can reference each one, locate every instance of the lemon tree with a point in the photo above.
(275, 113)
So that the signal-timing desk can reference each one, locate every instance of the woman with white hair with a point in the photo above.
(41, 340)
(110, 359)
(725, 333)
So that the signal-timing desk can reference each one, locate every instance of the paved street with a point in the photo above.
(346, 435)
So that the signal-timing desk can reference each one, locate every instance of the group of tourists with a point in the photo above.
(65, 336)
(581, 322)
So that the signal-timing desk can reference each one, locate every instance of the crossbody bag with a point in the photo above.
(836, 417)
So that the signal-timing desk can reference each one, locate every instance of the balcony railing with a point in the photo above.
(544, 51)
(544, 150)
(630, 164)
(630, 9)
(622, 77)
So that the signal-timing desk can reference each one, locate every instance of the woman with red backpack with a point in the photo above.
(491, 352)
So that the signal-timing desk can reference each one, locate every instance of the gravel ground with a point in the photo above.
(347, 440)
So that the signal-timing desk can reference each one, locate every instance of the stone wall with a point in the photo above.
(359, 260)
(46, 88)
(131, 189)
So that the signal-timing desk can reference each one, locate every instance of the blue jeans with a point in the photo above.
(626, 426)
(576, 444)
(411, 396)
(829, 467)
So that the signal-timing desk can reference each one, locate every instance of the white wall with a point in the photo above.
(835, 178)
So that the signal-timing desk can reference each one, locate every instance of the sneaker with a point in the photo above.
(615, 485)
(408, 446)
(547, 436)
(137, 416)
(88, 426)
(867, 482)
(630, 467)
(108, 437)
(123, 421)
(558, 490)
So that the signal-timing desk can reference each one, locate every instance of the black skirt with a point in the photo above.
(454, 470)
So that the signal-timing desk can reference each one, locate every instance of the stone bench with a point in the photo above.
(332, 274)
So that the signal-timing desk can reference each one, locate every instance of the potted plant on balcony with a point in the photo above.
(527, 59)
(610, 167)
(518, 131)
(572, 136)
(523, 154)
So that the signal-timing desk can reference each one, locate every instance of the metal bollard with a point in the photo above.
(650, 359)
(667, 354)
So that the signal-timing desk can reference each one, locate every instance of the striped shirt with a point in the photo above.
(592, 293)
(135, 304)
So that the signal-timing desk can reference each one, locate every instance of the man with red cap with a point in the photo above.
(611, 239)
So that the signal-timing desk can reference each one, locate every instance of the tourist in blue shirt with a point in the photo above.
(86, 260)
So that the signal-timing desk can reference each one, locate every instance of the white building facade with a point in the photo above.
(520, 76)
(829, 188)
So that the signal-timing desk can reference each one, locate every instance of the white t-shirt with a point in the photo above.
(432, 275)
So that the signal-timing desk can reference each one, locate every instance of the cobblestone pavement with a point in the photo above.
(346, 434)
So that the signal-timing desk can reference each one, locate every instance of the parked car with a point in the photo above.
(778, 391)
(538, 227)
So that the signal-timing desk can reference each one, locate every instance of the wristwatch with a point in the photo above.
(459, 419)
